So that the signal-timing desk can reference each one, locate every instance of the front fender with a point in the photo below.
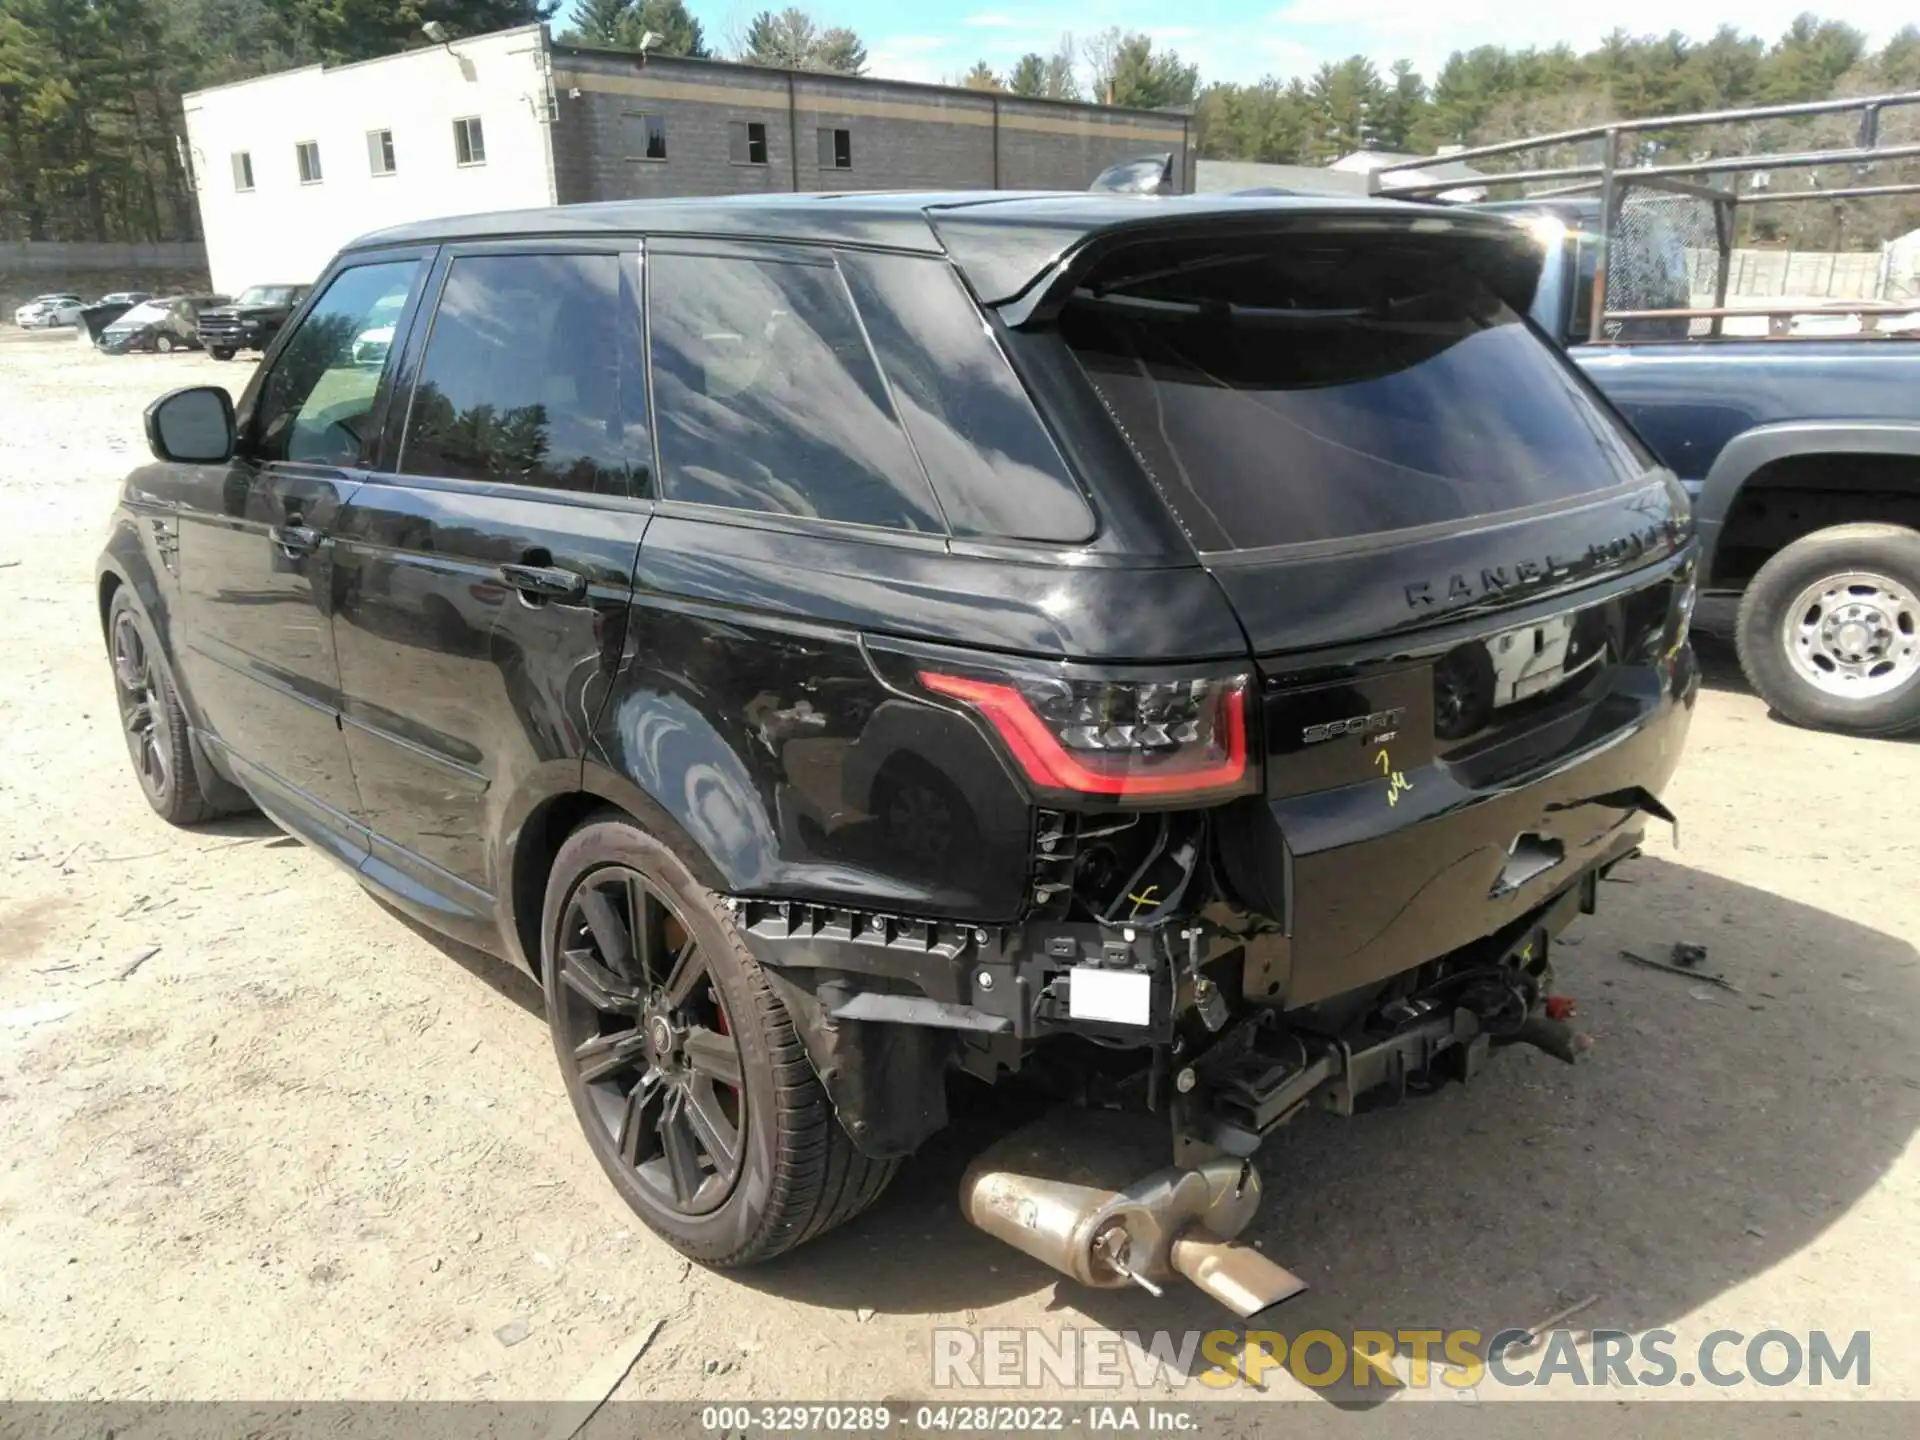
(1747, 452)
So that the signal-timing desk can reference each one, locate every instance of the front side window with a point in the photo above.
(644, 135)
(242, 170)
(469, 141)
(380, 152)
(307, 155)
(836, 148)
(316, 401)
(1329, 389)
(769, 399)
(522, 378)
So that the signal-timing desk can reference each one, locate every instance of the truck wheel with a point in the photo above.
(1829, 630)
(683, 1066)
(151, 718)
(220, 352)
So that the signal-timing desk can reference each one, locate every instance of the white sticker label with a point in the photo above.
(1122, 997)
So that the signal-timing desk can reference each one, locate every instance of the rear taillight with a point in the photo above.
(1150, 741)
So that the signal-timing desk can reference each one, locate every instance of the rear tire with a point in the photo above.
(1829, 630)
(684, 1068)
(151, 719)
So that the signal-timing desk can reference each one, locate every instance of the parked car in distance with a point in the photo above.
(44, 312)
(161, 325)
(250, 322)
(1194, 651)
(92, 321)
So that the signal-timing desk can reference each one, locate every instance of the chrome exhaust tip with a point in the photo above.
(1054, 1190)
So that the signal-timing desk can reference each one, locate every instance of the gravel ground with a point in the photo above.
(260, 1137)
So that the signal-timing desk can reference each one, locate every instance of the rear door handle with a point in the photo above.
(544, 582)
(296, 540)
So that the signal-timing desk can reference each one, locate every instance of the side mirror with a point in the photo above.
(194, 426)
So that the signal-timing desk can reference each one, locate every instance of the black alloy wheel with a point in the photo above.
(650, 1040)
(682, 1062)
(143, 710)
(151, 719)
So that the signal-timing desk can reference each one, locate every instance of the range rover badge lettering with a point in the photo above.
(1355, 725)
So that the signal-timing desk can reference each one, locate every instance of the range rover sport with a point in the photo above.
(1201, 649)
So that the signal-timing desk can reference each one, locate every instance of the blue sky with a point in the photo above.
(936, 40)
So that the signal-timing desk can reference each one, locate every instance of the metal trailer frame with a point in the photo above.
(1610, 179)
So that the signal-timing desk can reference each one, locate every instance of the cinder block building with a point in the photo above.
(291, 166)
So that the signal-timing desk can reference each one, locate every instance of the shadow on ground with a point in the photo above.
(1708, 1136)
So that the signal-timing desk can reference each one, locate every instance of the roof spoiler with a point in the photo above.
(1025, 259)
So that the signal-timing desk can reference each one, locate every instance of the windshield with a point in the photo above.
(267, 295)
(143, 314)
(1323, 389)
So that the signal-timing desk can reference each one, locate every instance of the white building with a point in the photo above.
(292, 166)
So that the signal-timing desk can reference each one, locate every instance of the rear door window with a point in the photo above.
(767, 396)
(1328, 389)
(523, 379)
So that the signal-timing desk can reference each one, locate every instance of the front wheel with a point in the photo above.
(163, 343)
(154, 725)
(220, 352)
(682, 1064)
(1829, 630)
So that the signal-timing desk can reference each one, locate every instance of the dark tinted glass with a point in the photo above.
(991, 461)
(523, 378)
(315, 402)
(768, 398)
(1324, 390)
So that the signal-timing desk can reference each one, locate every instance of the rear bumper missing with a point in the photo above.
(886, 1004)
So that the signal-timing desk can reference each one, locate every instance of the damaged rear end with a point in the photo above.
(1329, 868)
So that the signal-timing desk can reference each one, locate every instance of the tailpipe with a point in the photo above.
(1055, 1191)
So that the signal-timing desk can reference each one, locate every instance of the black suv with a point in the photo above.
(250, 322)
(1191, 651)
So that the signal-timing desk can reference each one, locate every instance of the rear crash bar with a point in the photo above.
(1024, 981)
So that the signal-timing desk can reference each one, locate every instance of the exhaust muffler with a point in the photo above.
(1055, 1190)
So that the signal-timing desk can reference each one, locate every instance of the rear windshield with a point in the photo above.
(1320, 390)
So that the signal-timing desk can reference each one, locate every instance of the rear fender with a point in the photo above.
(1744, 455)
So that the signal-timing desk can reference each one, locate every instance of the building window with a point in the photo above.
(307, 152)
(469, 141)
(747, 142)
(836, 148)
(243, 170)
(380, 152)
(645, 135)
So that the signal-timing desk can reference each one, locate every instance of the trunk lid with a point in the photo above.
(1464, 581)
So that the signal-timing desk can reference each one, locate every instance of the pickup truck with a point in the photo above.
(1802, 458)
(250, 322)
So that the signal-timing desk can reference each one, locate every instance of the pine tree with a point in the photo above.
(981, 77)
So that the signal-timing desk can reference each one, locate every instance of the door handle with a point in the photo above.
(296, 540)
(543, 582)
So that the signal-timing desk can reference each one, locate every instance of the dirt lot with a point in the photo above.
(260, 1138)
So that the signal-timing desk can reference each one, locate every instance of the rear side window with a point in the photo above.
(991, 461)
(1326, 389)
(523, 379)
(768, 398)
